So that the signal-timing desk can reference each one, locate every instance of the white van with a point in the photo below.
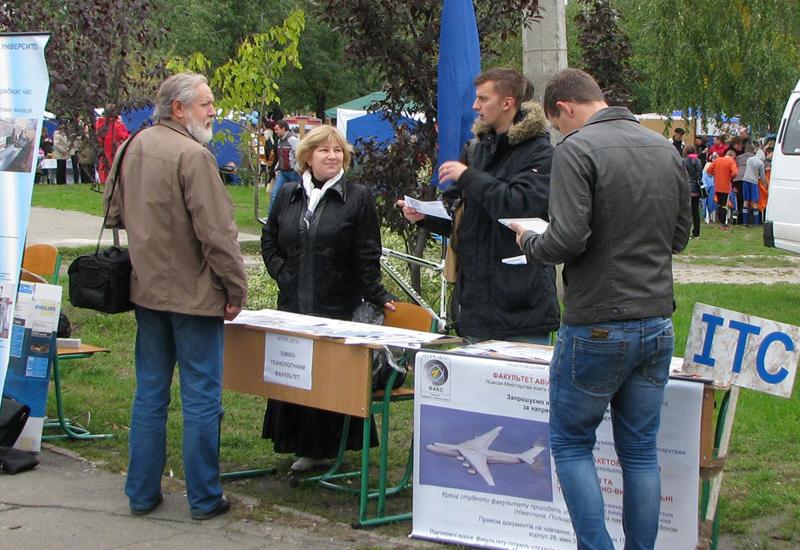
(782, 220)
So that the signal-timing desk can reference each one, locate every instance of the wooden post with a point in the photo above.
(722, 453)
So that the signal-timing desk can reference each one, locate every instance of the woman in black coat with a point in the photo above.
(322, 245)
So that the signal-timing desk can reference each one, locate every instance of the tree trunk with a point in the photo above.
(320, 110)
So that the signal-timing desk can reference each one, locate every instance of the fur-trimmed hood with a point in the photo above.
(530, 124)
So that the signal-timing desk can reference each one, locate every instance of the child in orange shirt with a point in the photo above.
(724, 170)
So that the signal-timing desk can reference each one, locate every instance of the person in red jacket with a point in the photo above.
(111, 132)
(719, 147)
(724, 170)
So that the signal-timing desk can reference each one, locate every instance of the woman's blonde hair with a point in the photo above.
(315, 138)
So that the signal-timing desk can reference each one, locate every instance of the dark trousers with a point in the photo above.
(61, 171)
(76, 171)
(87, 173)
(736, 187)
(695, 216)
(722, 206)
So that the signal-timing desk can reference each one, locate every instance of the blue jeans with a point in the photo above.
(281, 177)
(624, 364)
(196, 343)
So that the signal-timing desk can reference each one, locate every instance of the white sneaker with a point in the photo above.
(303, 464)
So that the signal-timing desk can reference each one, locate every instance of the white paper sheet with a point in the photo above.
(537, 225)
(515, 260)
(429, 208)
(352, 333)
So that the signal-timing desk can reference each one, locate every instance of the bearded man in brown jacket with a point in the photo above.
(188, 274)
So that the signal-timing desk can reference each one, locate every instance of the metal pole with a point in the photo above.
(544, 45)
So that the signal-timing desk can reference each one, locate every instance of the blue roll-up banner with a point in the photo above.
(24, 83)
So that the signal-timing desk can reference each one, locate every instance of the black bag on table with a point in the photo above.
(383, 362)
(102, 281)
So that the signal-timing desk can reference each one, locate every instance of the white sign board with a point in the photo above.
(483, 472)
(288, 360)
(732, 348)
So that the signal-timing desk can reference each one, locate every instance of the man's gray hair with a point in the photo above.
(180, 87)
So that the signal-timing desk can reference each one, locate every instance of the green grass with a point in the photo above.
(739, 246)
(762, 475)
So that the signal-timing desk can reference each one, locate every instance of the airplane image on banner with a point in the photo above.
(476, 456)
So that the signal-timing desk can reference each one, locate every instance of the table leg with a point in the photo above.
(71, 430)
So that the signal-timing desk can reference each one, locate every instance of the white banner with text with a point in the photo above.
(483, 472)
(24, 83)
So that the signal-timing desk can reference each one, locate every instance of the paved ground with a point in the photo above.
(67, 503)
(64, 228)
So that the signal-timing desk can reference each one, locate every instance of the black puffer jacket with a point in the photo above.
(327, 269)
(508, 177)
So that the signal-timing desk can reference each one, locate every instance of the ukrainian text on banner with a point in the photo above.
(23, 94)
(483, 472)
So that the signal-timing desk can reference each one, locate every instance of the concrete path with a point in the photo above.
(66, 228)
(67, 503)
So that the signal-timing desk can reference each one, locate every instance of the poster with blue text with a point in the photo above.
(484, 474)
(23, 94)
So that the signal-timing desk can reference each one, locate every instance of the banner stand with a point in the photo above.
(24, 84)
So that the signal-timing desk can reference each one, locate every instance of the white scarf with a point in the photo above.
(315, 195)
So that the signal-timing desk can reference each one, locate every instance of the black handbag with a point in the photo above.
(13, 416)
(102, 281)
(383, 363)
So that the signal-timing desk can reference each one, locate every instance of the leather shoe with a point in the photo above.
(145, 511)
(223, 506)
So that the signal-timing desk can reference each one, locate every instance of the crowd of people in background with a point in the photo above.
(728, 177)
(89, 160)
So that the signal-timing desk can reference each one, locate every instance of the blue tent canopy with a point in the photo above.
(227, 151)
(137, 118)
(374, 126)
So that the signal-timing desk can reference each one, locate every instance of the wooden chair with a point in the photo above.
(409, 316)
(41, 263)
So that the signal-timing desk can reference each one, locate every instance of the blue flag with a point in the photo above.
(459, 64)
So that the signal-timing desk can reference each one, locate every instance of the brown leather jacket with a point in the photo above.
(179, 219)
